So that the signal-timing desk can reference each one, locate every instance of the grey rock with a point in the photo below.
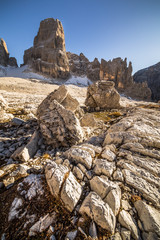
(42, 224)
(102, 166)
(99, 211)
(71, 192)
(126, 234)
(128, 222)
(149, 216)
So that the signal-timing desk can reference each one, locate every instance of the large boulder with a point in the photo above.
(151, 75)
(48, 54)
(58, 122)
(103, 95)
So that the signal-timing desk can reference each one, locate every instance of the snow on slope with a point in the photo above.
(26, 73)
(79, 81)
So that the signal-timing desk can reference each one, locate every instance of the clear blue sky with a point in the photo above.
(98, 28)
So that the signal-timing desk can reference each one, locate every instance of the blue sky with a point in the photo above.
(98, 28)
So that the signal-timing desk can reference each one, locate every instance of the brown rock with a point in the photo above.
(118, 71)
(4, 55)
(59, 126)
(48, 54)
(103, 95)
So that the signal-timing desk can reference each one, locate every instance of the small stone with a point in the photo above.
(71, 192)
(102, 166)
(108, 153)
(125, 205)
(71, 235)
(78, 173)
(80, 156)
(118, 175)
(17, 121)
(126, 234)
(93, 231)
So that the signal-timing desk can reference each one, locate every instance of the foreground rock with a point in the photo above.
(4, 55)
(151, 75)
(59, 126)
(99, 211)
(48, 54)
(102, 95)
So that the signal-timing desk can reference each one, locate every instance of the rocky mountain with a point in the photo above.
(68, 180)
(5, 60)
(48, 54)
(151, 75)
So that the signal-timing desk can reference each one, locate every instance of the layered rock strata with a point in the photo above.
(48, 54)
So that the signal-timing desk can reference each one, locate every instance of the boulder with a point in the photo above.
(128, 222)
(99, 211)
(48, 54)
(103, 95)
(151, 75)
(149, 216)
(59, 126)
(63, 96)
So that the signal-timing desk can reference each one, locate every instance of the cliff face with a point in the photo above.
(4, 55)
(48, 54)
(151, 75)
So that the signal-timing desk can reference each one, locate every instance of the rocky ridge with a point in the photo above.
(108, 184)
(151, 75)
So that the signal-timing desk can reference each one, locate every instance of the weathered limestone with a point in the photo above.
(149, 216)
(80, 156)
(48, 54)
(42, 224)
(55, 176)
(102, 95)
(127, 221)
(28, 151)
(71, 192)
(59, 126)
(99, 211)
(109, 153)
(150, 192)
(102, 166)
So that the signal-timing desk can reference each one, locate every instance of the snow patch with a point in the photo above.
(35, 186)
(79, 81)
(22, 72)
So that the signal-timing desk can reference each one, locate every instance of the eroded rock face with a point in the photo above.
(118, 71)
(59, 126)
(151, 75)
(102, 95)
(48, 54)
(4, 55)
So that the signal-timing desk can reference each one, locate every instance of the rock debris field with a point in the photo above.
(72, 167)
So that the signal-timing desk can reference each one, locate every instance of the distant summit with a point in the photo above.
(151, 75)
(5, 60)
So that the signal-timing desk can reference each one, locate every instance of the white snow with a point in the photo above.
(35, 187)
(79, 81)
(14, 210)
(21, 72)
